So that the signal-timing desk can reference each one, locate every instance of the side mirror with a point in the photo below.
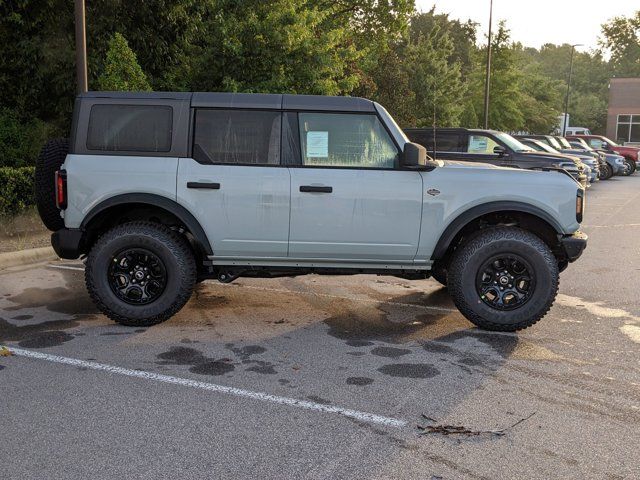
(499, 150)
(414, 156)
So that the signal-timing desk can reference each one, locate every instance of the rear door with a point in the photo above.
(234, 183)
(349, 201)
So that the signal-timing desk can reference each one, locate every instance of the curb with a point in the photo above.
(25, 257)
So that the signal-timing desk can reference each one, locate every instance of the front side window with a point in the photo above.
(130, 128)
(345, 140)
(245, 137)
(481, 144)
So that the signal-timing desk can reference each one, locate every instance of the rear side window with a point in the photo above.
(237, 137)
(130, 128)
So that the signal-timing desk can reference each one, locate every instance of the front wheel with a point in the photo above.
(503, 279)
(140, 273)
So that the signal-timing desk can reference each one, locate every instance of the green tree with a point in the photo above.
(274, 46)
(121, 70)
(621, 37)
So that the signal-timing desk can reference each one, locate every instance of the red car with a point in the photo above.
(599, 142)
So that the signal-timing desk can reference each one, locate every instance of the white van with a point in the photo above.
(577, 131)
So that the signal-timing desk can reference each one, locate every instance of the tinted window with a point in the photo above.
(443, 142)
(130, 128)
(237, 136)
(345, 140)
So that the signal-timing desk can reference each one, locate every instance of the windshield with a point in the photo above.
(512, 143)
(554, 143)
(563, 142)
(610, 142)
(580, 143)
(544, 147)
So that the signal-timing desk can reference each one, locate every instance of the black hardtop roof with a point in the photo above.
(451, 130)
(273, 101)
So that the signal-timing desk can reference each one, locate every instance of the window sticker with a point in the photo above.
(317, 144)
(478, 144)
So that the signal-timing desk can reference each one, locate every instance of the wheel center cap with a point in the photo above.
(139, 275)
(503, 280)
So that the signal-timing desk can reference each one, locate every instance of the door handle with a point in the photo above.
(204, 185)
(315, 188)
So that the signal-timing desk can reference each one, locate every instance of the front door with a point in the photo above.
(234, 184)
(349, 201)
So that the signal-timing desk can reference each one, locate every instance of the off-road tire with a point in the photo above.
(169, 246)
(469, 258)
(49, 161)
(439, 274)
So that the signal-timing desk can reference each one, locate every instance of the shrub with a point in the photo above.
(20, 141)
(16, 190)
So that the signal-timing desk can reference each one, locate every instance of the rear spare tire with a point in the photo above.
(49, 161)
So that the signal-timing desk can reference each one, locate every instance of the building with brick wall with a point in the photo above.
(623, 117)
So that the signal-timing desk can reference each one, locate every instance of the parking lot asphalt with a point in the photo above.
(329, 377)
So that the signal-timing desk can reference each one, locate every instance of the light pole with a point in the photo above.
(81, 47)
(565, 120)
(488, 72)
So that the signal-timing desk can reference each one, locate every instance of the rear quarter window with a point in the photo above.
(130, 128)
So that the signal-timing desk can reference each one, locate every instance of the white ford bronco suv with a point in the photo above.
(157, 191)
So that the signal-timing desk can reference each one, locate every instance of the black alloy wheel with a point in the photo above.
(505, 282)
(137, 276)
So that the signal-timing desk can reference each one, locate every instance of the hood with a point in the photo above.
(553, 157)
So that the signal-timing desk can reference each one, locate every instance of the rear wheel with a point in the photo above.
(439, 274)
(140, 273)
(631, 165)
(503, 279)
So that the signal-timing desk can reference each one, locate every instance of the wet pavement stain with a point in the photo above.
(46, 339)
(320, 400)
(215, 367)
(359, 343)
(2, 367)
(357, 354)
(284, 381)
(244, 353)
(410, 370)
(22, 317)
(70, 301)
(390, 352)
(359, 381)
(13, 333)
(199, 363)
(437, 348)
(265, 368)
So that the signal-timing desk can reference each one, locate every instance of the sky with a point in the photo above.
(536, 22)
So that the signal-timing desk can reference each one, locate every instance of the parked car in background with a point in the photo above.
(613, 162)
(577, 131)
(591, 162)
(490, 146)
(599, 142)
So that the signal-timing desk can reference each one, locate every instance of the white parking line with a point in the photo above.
(313, 294)
(212, 387)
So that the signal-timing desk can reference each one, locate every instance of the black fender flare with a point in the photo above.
(184, 215)
(478, 211)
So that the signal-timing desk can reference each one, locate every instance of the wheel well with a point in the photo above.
(129, 212)
(526, 221)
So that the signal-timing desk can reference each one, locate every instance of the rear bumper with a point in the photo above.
(574, 245)
(67, 242)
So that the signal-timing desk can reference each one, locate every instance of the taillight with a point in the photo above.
(580, 206)
(61, 189)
